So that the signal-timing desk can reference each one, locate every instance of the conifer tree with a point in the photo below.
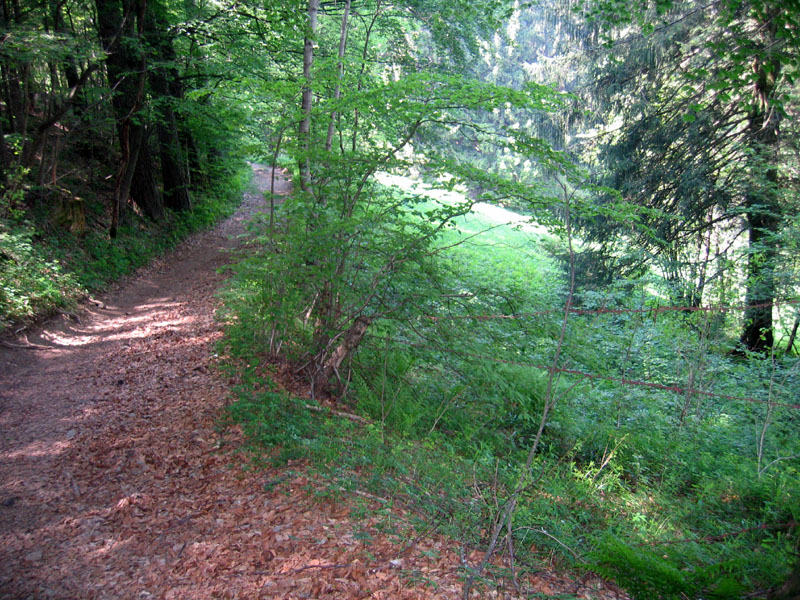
(700, 91)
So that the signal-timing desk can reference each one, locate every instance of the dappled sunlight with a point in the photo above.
(62, 433)
(119, 329)
(159, 304)
(153, 328)
(414, 186)
(68, 339)
(37, 449)
(513, 288)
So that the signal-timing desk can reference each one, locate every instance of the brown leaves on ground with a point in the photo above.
(116, 483)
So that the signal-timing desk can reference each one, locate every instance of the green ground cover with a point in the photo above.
(45, 267)
(684, 487)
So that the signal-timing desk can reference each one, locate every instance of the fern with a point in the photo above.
(645, 575)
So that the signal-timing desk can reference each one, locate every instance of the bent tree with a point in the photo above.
(451, 348)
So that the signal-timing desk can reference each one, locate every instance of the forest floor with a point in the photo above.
(117, 481)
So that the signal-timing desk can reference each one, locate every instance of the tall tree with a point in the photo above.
(166, 90)
(308, 94)
(349, 243)
(700, 91)
(762, 198)
(121, 26)
(340, 67)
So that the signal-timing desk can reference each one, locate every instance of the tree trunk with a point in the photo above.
(54, 115)
(308, 95)
(15, 98)
(762, 211)
(761, 286)
(5, 158)
(793, 334)
(68, 66)
(697, 296)
(338, 91)
(163, 83)
(126, 70)
(198, 175)
(364, 53)
(131, 142)
(790, 590)
(173, 173)
(144, 187)
(330, 366)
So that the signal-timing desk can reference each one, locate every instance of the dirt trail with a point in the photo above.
(113, 483)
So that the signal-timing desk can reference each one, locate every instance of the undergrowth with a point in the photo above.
(572, 514)
(44, 267)
(671, 494)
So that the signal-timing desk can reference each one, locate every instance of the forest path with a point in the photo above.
(115, 481)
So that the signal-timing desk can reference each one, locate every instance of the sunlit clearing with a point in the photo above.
(491, 214)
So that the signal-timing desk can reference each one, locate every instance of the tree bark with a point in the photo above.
(130, 151)
(790, 590)
(364, 53)
(198, 175)
(308, 95)
(173, 172)
(5, 158)
(68, 66)
(763, 211)
(338, 90)
(56, 113)
(116, 22)
(13, 74)
(163, 83)
(330, 366)
(793, 334)
(144, 187)
(762, 221)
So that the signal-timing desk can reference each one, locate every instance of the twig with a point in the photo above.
(71, 315)
(656, 310)
(510, 543)
(338, 413)
(29, 346)
(780, 458)
(97, 303)
(594, 376)
(308, 567)
(549, 404)
(543, 531)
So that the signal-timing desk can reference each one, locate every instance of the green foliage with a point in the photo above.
(12, 195)
(31, 282)
(448, 428)
(656, 436)
(643, 573)
(273, 420)
(647, 573)
(43, 269)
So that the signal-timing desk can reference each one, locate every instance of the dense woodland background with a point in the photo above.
(544, 255)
